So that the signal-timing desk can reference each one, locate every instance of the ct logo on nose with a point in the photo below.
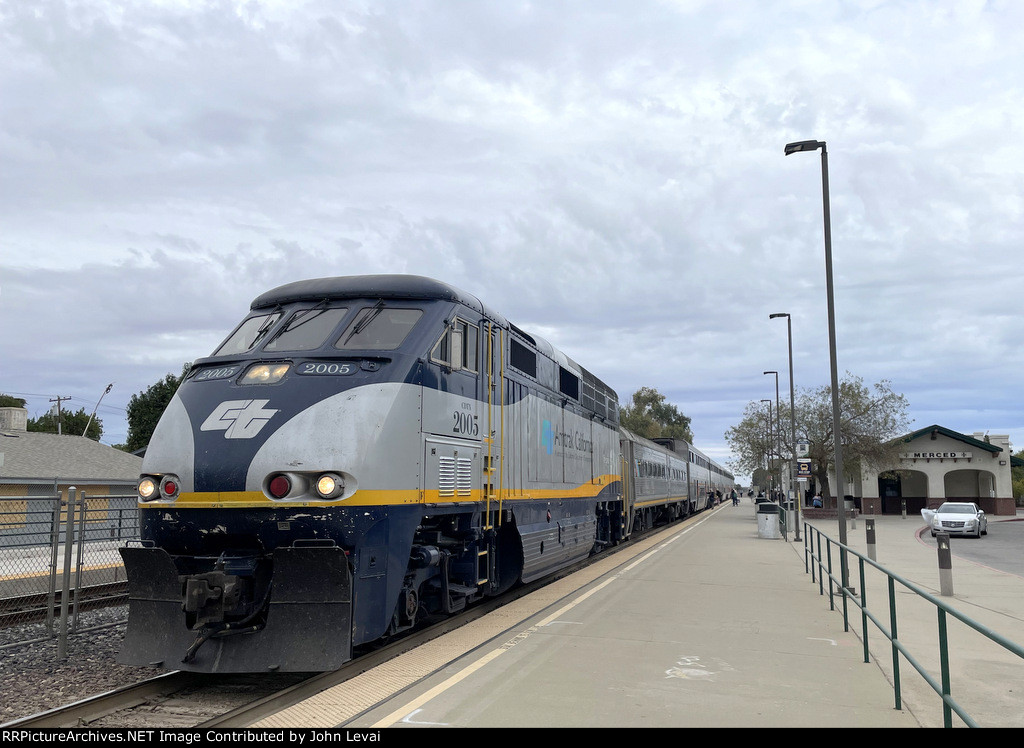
(239, 419)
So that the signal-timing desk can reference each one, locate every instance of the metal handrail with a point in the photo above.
(819, 565)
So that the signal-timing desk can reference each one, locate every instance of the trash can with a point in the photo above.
(768, 520)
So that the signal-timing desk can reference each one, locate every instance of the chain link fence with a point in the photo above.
(59, 557)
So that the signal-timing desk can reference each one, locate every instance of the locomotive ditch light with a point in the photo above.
(330, 485)
(147, 488)
(265, 373)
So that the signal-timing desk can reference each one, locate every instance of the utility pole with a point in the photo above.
(59, 400)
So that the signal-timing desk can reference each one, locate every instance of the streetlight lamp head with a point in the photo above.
(804, 145)
(770, 372)
(778, 314)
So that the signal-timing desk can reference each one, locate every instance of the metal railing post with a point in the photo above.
(893, 626)
(947, 712)
(79, 562)
(51, 598)
(62, 642)
(864, 609)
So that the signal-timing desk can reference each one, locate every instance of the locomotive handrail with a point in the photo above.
(818, 563)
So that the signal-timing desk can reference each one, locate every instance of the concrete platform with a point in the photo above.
(704, 625)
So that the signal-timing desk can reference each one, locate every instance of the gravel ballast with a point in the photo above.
(33, 679)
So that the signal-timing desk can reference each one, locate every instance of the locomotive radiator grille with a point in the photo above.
(454, 476)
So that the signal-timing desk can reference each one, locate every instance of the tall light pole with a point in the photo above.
(768, 448)
(792, 424)
(813, 145)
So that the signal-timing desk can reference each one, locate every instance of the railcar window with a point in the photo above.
(379, 328)
(306, 329)
(249, 334)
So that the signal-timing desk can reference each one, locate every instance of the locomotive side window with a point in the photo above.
(379, 328)
(523, 358)
(306, 329)
(249, 334)
(568, 383)
(457, 346)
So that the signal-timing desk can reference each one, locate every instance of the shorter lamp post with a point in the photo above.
(776, 434)
(792, 425)
(768, 448)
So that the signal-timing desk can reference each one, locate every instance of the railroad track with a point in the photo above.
(35, 607)
(188, 700)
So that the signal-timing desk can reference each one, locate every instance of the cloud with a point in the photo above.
(612, 178)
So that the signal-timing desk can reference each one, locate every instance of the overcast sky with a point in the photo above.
(608, 175)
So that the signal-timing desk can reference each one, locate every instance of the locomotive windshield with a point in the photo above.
(372, 328)
(379, 328)
(307, 329)
(249, 334)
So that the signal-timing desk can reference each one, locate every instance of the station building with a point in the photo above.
(938, 464)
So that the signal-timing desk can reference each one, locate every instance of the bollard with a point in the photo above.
(869, 531)
(945, 564)
(904, 503)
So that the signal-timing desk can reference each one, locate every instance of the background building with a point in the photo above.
(938, 464)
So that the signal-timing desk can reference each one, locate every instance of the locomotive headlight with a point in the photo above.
(147, 488)
(330, 485)
(265, 374)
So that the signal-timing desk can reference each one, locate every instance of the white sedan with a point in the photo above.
(959, 518)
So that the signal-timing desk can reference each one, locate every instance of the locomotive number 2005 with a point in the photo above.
(336, 369)
(466, 424)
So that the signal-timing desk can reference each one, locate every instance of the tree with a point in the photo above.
(871, 420)
(73, 423)
(145, 409)
(8, 401)
(752, 446)
(651, 417)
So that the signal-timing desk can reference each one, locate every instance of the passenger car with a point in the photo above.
(960, 518)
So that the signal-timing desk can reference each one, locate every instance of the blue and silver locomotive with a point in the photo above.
(360, 454)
